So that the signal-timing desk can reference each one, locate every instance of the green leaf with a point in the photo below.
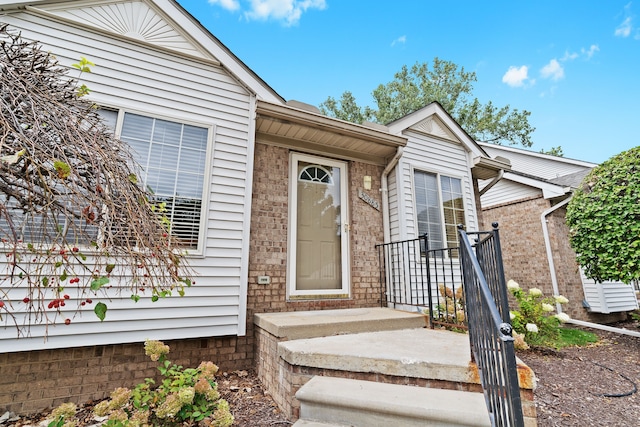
(133, 178)
(45, 281)
(100, 310)
(98, 283)
(63, 276)
(135, 298)
(154, 298)
(110, 267)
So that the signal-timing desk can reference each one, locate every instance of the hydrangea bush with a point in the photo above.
(185, 397)
(535, 321)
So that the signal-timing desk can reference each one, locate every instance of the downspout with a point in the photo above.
(547, 244)
(493, 182)
(385, 194)
(554, 278)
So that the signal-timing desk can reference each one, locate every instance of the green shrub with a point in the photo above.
(535, 321)
(184, 397)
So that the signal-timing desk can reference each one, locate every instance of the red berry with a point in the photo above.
(50, 305)
(61, 251)
(67, 321)
(26, 300)
(1, 304)
(75, 249)
(66, 296)
(83, 303)
(89, 301)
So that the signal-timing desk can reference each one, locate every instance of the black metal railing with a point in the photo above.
(430, 280)
(490, 335)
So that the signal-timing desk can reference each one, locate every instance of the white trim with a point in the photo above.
(246, 232)
(204, 209)
(292, 292)
(537, 154)
(549, 190)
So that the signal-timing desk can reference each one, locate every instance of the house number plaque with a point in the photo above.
(369, 200)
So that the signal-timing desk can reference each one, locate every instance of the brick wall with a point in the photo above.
(31, 381)
(525, 257)
(269, 234)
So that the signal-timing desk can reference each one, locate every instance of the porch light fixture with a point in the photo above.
(367, 182)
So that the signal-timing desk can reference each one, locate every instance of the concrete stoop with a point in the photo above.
(381, 366)
(346, 402)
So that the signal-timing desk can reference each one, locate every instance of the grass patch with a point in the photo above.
(575, 337)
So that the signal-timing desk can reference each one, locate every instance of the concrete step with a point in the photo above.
(347, 402)
(323, 323)
(423, 353)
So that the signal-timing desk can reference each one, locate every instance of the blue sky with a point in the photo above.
(575, 65)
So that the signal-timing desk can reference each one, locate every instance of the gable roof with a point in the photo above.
(434, 120)
(554, 176)
(162, 24)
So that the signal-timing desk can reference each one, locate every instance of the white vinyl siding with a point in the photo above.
(157, 83)
(608, 297)
(435, 155)
(536, 164)
(507, 191)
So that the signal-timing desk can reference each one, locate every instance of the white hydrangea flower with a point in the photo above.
(512, 284)
(547, 307)
(532, 327)
(560, 299)
(563, 317)
(535, 292)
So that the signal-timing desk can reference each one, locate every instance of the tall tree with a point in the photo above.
(452, 87)
(73, 220)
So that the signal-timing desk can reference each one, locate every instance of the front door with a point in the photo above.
(319, 230)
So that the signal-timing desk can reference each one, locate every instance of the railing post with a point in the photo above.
(504, 297)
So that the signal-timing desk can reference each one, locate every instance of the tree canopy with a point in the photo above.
(604, 219)
(445, 83)
(73, 219)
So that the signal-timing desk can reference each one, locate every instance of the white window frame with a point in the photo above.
(443, 225)
(205, 195)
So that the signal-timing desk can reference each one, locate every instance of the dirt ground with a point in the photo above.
(580, 386)
(589, 386)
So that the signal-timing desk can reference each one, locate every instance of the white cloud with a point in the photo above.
(401, 39)
(288, 11)
(553, 70)
(231, 5)
(516, 76)
(569, 56)
(591, 51)
(624, 29)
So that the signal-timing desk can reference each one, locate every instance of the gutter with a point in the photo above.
(385, 194)
(554, 278)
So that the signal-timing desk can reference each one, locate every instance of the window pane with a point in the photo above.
(173, 158)
(428, 208)
(440, 208)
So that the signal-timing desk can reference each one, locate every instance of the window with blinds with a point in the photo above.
(440, 208)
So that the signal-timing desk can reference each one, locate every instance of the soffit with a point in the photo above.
(312, 132)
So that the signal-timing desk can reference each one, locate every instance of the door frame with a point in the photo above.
(345, 290)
